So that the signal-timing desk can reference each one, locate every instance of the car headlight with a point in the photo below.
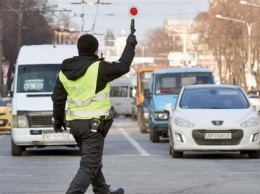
(250, 122)
(22, 121)
(161, 115)
(183, 123)
(146, 115)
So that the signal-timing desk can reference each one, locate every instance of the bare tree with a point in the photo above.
(24, 23)
(230, 39)
(159, 44)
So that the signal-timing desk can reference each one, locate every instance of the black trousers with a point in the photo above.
(91, 145)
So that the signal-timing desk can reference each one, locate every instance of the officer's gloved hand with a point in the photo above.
(59, 126)
(131, 40)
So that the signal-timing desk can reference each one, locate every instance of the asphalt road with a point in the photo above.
(133, 162)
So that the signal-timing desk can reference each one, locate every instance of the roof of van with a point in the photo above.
(124, 81)
(182, 70)
(150, 68)
(45, 54)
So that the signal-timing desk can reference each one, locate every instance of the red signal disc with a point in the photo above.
(133, 11)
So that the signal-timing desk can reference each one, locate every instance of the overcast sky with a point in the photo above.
(115, 16)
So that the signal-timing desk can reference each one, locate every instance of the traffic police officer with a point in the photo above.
(83, 82)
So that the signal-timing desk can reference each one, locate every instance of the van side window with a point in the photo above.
(118, 91)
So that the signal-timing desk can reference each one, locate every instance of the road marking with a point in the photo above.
(134, 143)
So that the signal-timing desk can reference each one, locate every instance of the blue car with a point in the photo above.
(165, 88)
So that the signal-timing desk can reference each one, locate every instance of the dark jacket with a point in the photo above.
(74, 68)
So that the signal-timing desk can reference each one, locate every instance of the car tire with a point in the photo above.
(154, 136)
(113, 112)
(142, 130)
(138, 120)
(170, 142)
(254, 154)
(17, 150)
(176, 154)
(141, 126)
(170, 149)
(172, 152)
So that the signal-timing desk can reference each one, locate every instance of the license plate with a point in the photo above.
(218, 136)
(55, 136)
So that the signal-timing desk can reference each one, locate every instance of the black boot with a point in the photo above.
(118, 191)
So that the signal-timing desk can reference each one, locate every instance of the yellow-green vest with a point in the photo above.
(82, 101)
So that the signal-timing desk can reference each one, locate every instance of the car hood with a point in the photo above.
(161, 100)
(204, 117)
(32, 102)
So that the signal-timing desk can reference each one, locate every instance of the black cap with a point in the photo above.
(87, 44)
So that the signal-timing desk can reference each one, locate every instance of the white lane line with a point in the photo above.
(134, 143)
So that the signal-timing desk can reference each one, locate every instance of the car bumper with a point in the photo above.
(187, 140)
(40, 137)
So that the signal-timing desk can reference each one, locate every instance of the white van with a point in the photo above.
(122, 95)
(36, 71)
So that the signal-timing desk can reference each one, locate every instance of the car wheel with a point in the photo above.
(170, 149)
(154, 136)
(172, 152)
(176, 154)
(170, 142)
(113, 112)
(143, 130)
(17, 150)
(138, 120)
(254, 154)
(142, 126)
(133, 117)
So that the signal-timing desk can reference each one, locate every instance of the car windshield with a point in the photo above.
(37, 78)
(172, 83)
(213, 98)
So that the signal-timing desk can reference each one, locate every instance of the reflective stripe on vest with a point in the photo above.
(87, 113)
(86, 102)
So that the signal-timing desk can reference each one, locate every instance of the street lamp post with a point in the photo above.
(250, 4)
(249, 33)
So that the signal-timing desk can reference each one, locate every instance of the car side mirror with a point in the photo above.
(168, 108)
(11, 93)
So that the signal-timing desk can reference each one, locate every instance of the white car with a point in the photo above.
(213, 118)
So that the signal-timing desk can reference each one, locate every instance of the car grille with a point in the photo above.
(40, 121)
(236, 134)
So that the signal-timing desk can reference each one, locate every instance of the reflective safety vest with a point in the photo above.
(82, 101)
